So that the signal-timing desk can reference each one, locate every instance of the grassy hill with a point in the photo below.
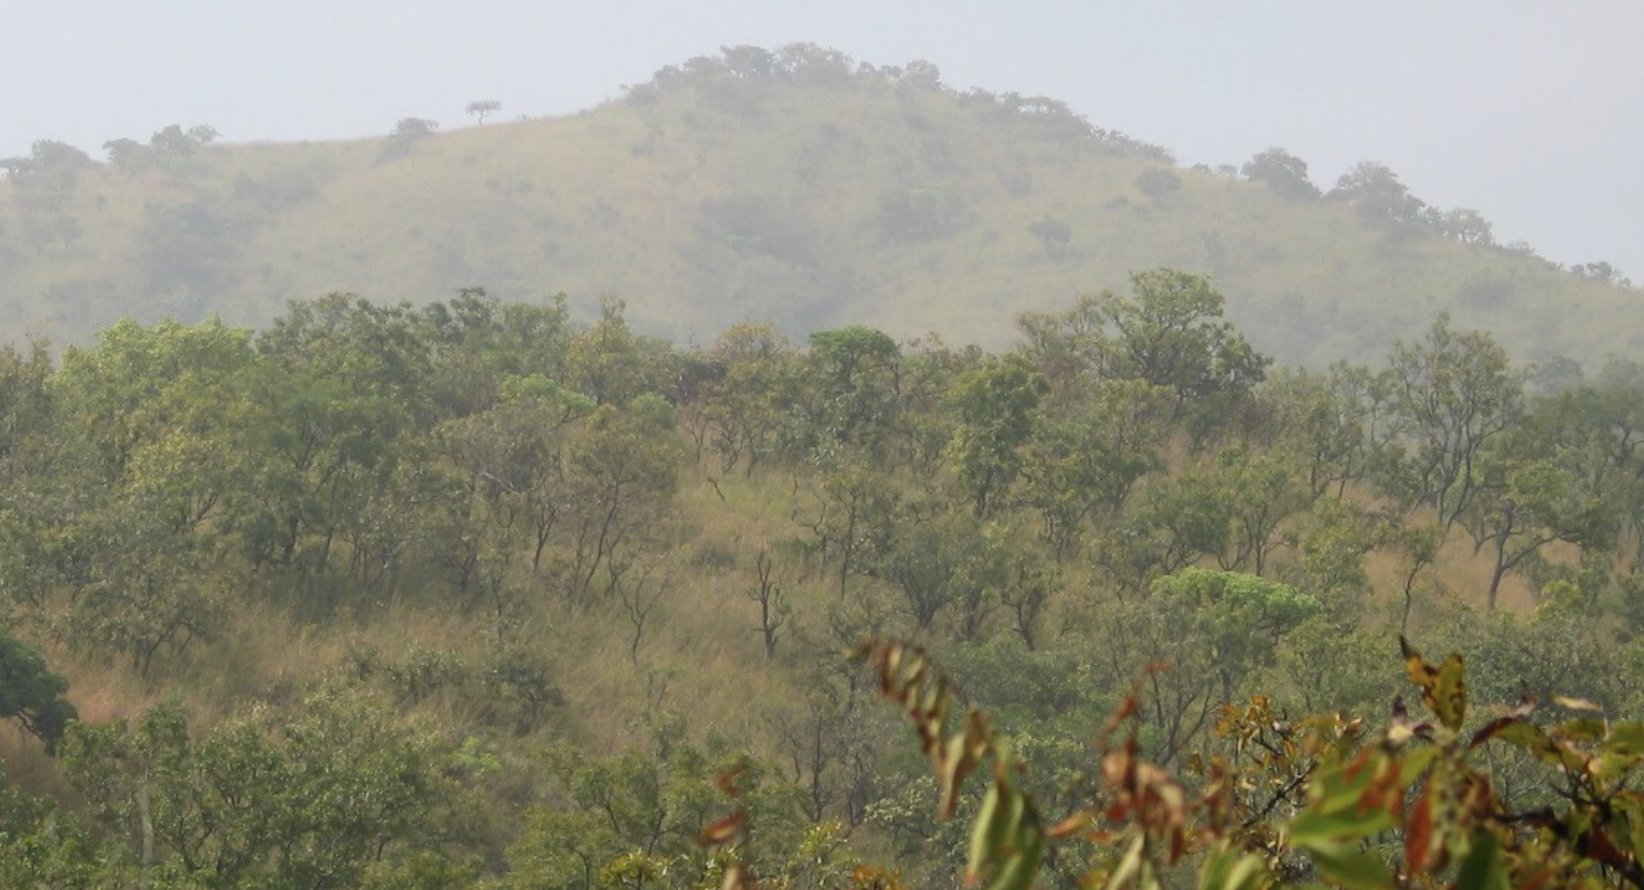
(789, 187)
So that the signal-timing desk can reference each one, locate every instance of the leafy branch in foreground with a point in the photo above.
(1008, 838)
(1415, 806)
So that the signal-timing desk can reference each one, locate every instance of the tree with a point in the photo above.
(1320, 427)
(152, 587)
(1158, 182)
(995, 404)
(1282, 172)
(406, 134)
(623, 470)
(515, 456)
(749, 405)
(1261, 493)
(1020, 576)
(1467, 226)
(1086, 455)
(479, 110)
(1601, 272)
(1376, 193)
(1455, 392)
(1178, 522)
(31, 693)
(1524, 503)
(306, 799)
(770, 595)
(641, 577)
(127, 154)
(850, 506)
(1171, 334)
(624, 820)
(174, 141)
(749, 61)
(1054, 235)
(1238, 617)
(858, 375)
(927, 555)
(608, 361)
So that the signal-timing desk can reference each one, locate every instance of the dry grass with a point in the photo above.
(613, 202)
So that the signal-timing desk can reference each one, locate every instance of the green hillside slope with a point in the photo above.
(790, 187)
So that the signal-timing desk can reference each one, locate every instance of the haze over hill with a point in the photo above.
(793, 186)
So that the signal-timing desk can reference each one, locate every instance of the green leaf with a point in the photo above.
(1347, 865)
(1531, 738)
(987, 834)
(1229, 869)
(1483, 868)
(1314, 827)
(1129, 866)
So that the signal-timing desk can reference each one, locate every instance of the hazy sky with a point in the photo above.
(1530, 111)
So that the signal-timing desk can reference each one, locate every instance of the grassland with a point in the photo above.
(813, 202)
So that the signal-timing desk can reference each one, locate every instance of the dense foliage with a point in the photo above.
(472, 595)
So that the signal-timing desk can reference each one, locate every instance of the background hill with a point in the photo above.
(791, 186)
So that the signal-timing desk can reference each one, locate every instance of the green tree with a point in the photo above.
(1376, 193)
(608, 361)
(1086, 455)
(1454, 392)
(1261, 493)
(41, 845)
(623, 470)
(858, 380)
(1158, 182)
(1523, 504)
(848, 511)
(1239, 617)
(406, 134)
(279, 800)
(995, 404)
(31, 693)
(1171, 335)
(751, 402)
(927, 555)
(1282, 172)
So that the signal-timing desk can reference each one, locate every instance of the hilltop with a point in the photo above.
(794, 186)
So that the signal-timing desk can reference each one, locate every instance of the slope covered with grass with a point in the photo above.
(791, 187)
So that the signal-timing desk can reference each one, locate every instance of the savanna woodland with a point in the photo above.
(486, 594)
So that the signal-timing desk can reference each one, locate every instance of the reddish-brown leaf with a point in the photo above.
(1069, 826)
(724, 831)
(1418, 835)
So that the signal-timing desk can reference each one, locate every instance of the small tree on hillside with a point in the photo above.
(482, 108)
(771, 597)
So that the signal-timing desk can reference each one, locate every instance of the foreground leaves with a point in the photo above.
(1415, 806)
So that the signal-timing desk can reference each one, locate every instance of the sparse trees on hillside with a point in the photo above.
(1601, 272)
(174, 141)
